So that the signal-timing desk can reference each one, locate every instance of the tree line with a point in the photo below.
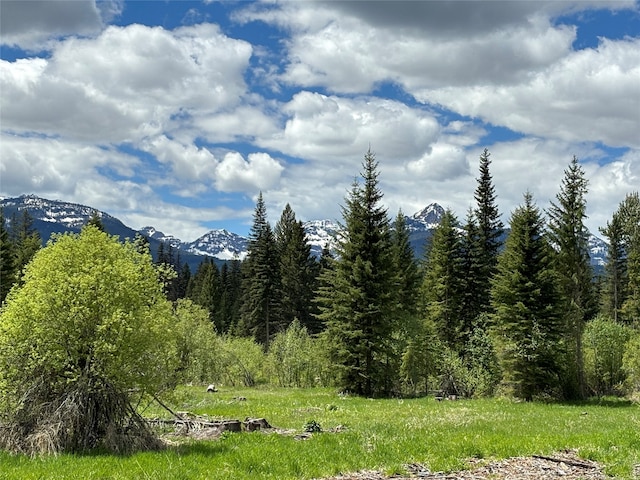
(476, 315)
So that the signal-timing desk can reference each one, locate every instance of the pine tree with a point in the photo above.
(490, 230)
(615, 271)
(260, 316)
(297, 271)
(405, 266)
(359, 302)
(441, 292)
(630, 212)
(26, 241)
(231, 279)
(96, 221)
(7, 265)
(472, 277)
(570, 239)
(525, 298)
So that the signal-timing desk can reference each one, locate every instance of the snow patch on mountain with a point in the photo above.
(220, 244)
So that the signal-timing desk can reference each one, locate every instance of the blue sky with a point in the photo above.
(176, 114)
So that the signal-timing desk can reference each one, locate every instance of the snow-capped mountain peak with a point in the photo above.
(221, 244)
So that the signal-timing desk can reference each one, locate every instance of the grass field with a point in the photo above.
(374, 434)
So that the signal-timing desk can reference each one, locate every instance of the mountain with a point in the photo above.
(220, 244)
(320, 233)
(54, 216)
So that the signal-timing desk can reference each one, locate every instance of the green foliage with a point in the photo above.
(197, 344)
(421, 357)
(298, 270)
(291, 358)
(489, 232)
(570, 239)
(261, 314)
(525, 299)
(629, 211)
(631, 362)
(358, 301)
(441, 290)
(90, 315)
(615, 280)
(96, 221)
(604, 343)
(241, 361)
(26, 242)
(7, 261)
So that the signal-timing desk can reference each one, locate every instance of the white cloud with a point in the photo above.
(591, 95)
(258, 172)
(334, 129)
(29, 24)
(125, 84)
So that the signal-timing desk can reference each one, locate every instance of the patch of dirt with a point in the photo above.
(564, 465)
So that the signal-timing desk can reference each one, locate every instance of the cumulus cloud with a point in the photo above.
(332, 128)
(124, 85)
(258, 172)
(29, 24)
(590, 95)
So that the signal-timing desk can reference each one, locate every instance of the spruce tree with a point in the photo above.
(205, 289)
(473, 278)
(359, 302)
(96, 221)
(26, 241)
(525, 298)
(570, 239)
(630, 213)
(260, 316)
(231, 279)
(441, 292)
(405, 266)
(7, 265)
(297, 271)
(613, 292)
(490, 231)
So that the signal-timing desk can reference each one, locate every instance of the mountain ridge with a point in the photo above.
(57, 216)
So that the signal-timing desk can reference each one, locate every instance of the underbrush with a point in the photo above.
(357, 434)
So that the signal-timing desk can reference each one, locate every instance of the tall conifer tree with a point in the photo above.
(260, 316)
(615, 280)
(442, 284)
(570, 239)
(297, 271)
(7, 261)
(359, 305)
(525, 299)
(490, 230)
(630, 213)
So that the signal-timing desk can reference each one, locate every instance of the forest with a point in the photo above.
(90, 317)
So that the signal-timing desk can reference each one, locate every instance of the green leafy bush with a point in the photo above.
(604, 342)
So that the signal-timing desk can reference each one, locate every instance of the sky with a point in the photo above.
(176, 114)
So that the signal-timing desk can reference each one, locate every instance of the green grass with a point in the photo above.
(378, 434)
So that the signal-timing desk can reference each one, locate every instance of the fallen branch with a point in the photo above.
(573, 463)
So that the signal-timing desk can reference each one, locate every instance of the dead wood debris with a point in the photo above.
(564, 465)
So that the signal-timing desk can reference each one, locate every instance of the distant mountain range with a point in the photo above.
(54, 216)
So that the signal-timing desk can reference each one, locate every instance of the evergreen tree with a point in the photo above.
(359, 301)
(96, 221)
(205, 289)
(260, 316)
(26, 241)
(615, 281)
(489, 232)
(630, 213)
(472, 278)
(442, 284)
(231, 279)
(570, 239)
(7, 266)
(405, 266)
(525, 299)
(297, 271)
(182, 281)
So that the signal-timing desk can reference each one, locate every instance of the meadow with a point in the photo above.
(357, 434)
